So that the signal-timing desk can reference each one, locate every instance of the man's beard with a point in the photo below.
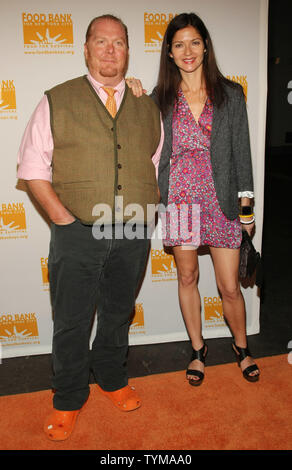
(108, 71)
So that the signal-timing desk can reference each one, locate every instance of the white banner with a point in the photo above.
(42, 45)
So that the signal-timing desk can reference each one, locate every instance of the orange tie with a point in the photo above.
(110, 104)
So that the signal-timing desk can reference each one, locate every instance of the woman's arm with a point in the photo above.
(243, 162)
(241, 142)
(246, 215)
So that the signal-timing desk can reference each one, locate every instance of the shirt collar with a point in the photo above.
(120, 87)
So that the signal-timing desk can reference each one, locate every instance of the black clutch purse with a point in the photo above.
(249, 257)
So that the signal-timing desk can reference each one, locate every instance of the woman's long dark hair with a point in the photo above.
(169, 77)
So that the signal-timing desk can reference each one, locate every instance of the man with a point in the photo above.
(78, 152)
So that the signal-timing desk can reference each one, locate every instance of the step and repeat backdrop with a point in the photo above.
(42, 45)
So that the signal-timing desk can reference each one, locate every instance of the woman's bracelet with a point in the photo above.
(246, 210)
(246, 216)
(249, 222)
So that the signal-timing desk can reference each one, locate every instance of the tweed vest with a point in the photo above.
(101, 165)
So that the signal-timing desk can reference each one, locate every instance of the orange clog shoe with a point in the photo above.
(125, 399)
(60, 424)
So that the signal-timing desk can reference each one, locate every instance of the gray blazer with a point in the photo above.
(229, 151)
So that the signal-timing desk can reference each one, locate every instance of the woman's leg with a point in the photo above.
(226, 264)
(188, 272)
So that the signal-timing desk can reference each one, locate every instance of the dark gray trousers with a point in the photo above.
(88, 275)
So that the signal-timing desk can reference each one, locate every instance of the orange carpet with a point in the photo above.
(225, 413)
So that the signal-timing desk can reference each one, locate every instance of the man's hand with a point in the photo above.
(65, 222)
(44, 193)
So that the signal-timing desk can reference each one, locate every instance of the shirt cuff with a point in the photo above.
(29, 173)
(248, 194)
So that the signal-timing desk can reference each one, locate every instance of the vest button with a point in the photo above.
(119, 186)
(118, 146)
(119, 165)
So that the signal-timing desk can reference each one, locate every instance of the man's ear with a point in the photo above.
(85, 54)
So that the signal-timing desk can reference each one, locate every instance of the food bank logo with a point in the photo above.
(18, 328)
(45, 274)
(163, 266)
(155, 25)
(213, 312)
(7, 100)
(137, 324)
(242, 80)
(47, 33)
(12, 220)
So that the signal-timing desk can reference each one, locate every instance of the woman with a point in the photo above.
(205, 165)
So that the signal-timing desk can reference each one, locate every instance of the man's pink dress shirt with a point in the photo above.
(36, 148)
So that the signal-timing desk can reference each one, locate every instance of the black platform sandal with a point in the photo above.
(241, 354)
(201, 356)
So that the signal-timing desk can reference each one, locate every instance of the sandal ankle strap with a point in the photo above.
(199, 354)
(242, 352)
